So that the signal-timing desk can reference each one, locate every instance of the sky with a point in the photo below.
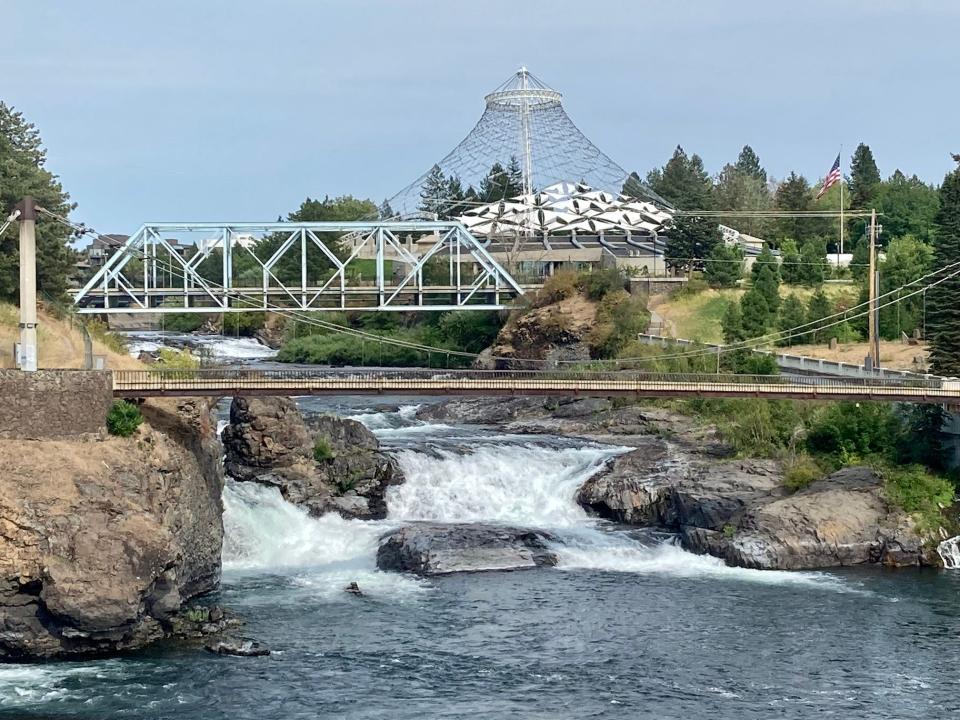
(217, 110)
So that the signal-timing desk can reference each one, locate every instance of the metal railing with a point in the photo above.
(306, 381)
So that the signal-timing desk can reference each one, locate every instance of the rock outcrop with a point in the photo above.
(435, 549)
(326, 464)
(544, 337)
(103, 540)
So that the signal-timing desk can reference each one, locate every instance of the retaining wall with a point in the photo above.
(50, 404)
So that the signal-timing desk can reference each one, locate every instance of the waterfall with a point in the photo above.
(949, 551)
(459, 475)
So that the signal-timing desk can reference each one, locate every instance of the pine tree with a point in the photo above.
(819, 308)
(864, 184)
(689, 240)
(723, 266)
(502, 183)
(515, 177)
(433, 192)
(766, 258)
(385, 211)
(683, 182)
(756, 313)
(790, 268)
(23, 172)
(748, 163)
(732, 324)
(864, 178)
(766, 280)
(792, 314)
(813, 263)
(943, 310)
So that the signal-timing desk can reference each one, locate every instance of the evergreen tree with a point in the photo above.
(819, 308)
(689, 240)
(767, 283)
(743, 186)
(943, 310)
(765, 258)
(793, 194)
(23, 172)
(907, 206)
(748, 163)
(501, 183)
(813, 263)
(792, 314)
(864, 178)
(454, 205)
(791, 270)
(515, 175)
(723, 266)
(756, 313)
(864, 184)
(732, 324)
(433, 192)
(906, 260)
(385, 211)
(683, 182)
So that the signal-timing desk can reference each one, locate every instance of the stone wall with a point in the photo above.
(51, 404)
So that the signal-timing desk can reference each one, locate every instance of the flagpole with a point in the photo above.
(840, 251)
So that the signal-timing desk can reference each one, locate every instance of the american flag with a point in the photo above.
(832, 178)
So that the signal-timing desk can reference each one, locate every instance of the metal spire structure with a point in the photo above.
(524, 120)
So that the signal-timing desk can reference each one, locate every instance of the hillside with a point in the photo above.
(60, 343)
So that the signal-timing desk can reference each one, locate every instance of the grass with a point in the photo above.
(919, 493)
(322, 450)
(698, 316)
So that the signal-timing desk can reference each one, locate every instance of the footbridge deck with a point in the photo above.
(294, 382)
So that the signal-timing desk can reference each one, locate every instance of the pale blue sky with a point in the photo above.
(217, 110)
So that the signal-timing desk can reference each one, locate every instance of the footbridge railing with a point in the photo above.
(226, 382)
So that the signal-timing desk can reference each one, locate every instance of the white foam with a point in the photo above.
(514, 484)
(263, 533)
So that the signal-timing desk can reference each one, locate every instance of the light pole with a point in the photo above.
(28, 285)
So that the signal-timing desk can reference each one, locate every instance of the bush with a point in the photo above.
(170, 359)
(123, 419)
(851, 431)
(322, 450)
(918, 492)
(100, 332)
(693, 287)
(559, 286)
(800, 471)
(620, 317)
(600, 283)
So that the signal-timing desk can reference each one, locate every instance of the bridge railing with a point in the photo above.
(296, 376)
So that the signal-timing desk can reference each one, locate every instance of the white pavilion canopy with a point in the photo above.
(565, 208)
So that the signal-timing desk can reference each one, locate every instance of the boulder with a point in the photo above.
(104, 541)
(841, 520)
(436, 549)
(268, 441)
(240, 647)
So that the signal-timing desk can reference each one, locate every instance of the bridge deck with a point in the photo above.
(180, 383)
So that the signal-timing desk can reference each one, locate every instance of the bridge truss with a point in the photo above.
(244, 267)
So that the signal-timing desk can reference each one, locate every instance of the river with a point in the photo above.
(626, 626)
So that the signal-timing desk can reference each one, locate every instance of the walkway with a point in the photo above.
(189, 383)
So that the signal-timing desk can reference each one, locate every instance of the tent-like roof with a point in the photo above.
(563, 208)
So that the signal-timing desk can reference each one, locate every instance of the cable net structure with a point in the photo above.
(524, 124)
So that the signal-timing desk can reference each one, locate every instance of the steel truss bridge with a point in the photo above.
(222, 383)
(415, 266)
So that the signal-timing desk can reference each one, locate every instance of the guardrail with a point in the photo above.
(786, 361)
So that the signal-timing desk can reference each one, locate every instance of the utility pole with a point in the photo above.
(873, 316)
(28, 285)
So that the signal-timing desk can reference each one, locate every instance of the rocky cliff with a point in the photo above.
(682, 478)
(328, 465)
(103, 540)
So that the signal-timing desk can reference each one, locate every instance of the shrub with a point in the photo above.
(322, 450)
(171, 359)
(693, 287)
(918, 492)
(849, 430)
(598, 284)
(123, 419)
(559, 286)
(800, 471)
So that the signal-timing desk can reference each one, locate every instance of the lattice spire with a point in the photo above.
(523, 120)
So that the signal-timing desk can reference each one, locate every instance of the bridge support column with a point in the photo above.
(27, 358)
